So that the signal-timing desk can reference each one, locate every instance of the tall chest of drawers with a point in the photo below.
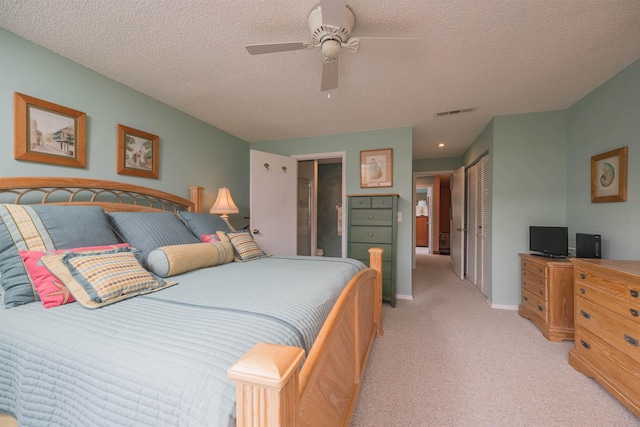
(372, 223)
(607, 326)
(547, 295)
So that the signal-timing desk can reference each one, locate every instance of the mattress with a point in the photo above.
(161, 359)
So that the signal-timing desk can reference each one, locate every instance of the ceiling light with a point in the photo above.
(441, 145)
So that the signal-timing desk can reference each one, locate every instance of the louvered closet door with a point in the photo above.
(472, 201)
(484, 220)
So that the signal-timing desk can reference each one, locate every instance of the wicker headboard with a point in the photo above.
(111, 195)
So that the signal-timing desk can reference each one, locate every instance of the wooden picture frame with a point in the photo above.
(376, 168)
(138, 153)
(45, 132)
(609, 176)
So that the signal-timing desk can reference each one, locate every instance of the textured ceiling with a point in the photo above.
(501, 56)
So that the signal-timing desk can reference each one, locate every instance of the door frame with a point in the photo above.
(417, 175)
(331, 155)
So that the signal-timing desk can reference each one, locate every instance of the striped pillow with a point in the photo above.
(176, 259)
(102, 279)
(20, 229)
(244, 247)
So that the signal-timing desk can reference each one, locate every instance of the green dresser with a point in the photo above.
(372, 223)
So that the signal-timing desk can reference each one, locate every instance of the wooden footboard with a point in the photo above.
(270, 390)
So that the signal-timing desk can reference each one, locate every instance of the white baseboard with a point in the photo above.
(502, 306)
(407, 297)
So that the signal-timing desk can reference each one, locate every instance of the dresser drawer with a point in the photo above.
(627, 310)
(382, 202)
(626, 290)
(371, 217)
(617, 368)
(371, 234)
(535, 304)
(360, 202)
(622, 334)
(361, 251)
(387, 272)
(534, 284)
(534, 267)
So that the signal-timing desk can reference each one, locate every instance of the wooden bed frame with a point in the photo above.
(271, 389)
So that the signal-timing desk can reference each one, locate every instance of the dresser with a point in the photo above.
(372, 223)
(422, 230)
(607, 322)
(547, 295)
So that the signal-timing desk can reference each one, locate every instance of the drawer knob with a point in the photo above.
(634, 312)
(582, 291)
(582, 276)
(541, 293)
(525, 298)
(631, 340)
(540, 270)
(585, 344)
(585, 314)
(540, 308)
(633, 293)
(370, 234)
(360, 202)
(382, 202)
(370, 216)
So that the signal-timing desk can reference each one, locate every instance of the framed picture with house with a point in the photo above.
(138, 153)
(49, 133)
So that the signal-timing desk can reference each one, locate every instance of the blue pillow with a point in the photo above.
(200, 224)
(76, 226)
(147, 231)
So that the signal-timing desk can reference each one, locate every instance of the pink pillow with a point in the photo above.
(210, 238)
(51, 290)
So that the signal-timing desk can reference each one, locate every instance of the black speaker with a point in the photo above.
(588, 245)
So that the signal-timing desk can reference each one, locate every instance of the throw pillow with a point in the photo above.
(244, 247)
(168, 261)
(51, 290)
(96, 280)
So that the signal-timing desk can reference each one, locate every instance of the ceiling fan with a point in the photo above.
(331, 23)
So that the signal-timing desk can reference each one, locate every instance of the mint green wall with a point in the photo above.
(528, 188)
(191, 151)
(439, 164)
(606, 119)
(400, 139)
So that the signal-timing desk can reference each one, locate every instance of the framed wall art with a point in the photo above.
(138, 153)
(376, 168)
(609, 176)
(48, 133)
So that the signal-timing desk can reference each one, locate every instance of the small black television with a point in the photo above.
(552, 242)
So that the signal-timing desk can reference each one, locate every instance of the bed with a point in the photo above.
(172, 357)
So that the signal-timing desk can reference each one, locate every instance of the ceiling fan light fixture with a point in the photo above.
(331, 49)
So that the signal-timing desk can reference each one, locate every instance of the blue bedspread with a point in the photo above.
(161, 359)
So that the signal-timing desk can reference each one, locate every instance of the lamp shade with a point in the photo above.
(422, 203)
(224, 203)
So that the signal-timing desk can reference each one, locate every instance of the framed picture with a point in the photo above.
(376, 168)
(49, 133)
(609, 176)
(137, 153)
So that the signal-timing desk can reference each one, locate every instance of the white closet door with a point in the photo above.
(472, 200)
(484, 214)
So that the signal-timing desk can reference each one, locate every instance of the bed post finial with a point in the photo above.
(375, 262)
(195, 195)
(267, 386)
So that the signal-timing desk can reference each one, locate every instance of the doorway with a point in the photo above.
(321, 194)
(439, 210)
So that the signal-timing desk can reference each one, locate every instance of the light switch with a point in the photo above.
(399, 216)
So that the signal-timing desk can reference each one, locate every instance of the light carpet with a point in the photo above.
(448, 359)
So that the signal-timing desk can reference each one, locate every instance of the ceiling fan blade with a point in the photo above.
(257, 49)
(332, 12)
(329, 75)
(386, 46)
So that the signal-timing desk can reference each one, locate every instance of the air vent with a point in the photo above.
(454, 112)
